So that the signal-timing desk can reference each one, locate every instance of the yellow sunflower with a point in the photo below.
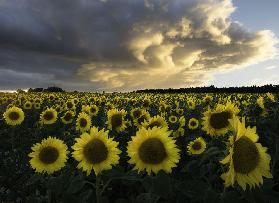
(247, 159)
(197, 146)
(193, 123)
(83, 122)
(116, 120)
(156, 121)
(216, 122)
(95, 151)
(93, 110)
(153, 150)
(173, 119)
(49, 116)
(68, 117)
(14, 116)
(48, 156)
(27, 105)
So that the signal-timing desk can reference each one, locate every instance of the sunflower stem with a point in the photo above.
(98, 189)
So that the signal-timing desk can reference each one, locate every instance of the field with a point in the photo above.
(139, 147)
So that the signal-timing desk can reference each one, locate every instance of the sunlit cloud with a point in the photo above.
(127, 45)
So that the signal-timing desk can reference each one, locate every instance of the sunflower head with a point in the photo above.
(95, 151)
(156, 121)
(247, 160)
(68, 117)
(197, 146)
(49, 116)
(14, 116)
(116, 120)
(153, 150)
(83, 122)
(48, 156)
(193, 123)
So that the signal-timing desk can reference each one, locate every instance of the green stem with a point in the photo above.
(98, 189)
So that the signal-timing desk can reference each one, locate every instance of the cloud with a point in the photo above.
(125, 45)
(271, 67)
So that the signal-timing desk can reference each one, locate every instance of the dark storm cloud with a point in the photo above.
(122, 45)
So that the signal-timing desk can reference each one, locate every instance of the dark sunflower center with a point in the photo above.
(193, 123)
(137, 113)
(196, 145)
(48, 115)
(245, 155)
(153, 124)
(68, 116)
(14, 115)
(173, 119)
(93, 110)
(83, 122)
(95, 151)
(220, 120)
(48, 155)
(70, 105)
(116, 120)
(152, 151)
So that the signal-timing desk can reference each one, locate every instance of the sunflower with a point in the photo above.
(270, 96)
(49, 116)
(27, 105)
(191, 104)
(156, 121)
(136, 113)
(93, 110)
(247, 160)
(116, 120)
(70, 105)
(153, 150)
(179, 132)
(14, 116)
(37, 106)
(216, 122)
(68, 117)
(193, 123)
(173, 119)
(207, 99)
(197, 146)
(95, 151)
(48, 156)
(83, 122)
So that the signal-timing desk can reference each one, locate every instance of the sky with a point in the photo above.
(108, 45)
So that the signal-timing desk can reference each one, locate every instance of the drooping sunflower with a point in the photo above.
(248, 160)
(193, 123)
(48, 156)
(68, 117)
(95, 151)
(216, 122)
(116, 120)
(14, 116)
(156, 121)
(83, 122)
(197, 146)
(153, 150)
(49, 116)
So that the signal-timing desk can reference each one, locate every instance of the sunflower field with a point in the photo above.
(139, 147)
